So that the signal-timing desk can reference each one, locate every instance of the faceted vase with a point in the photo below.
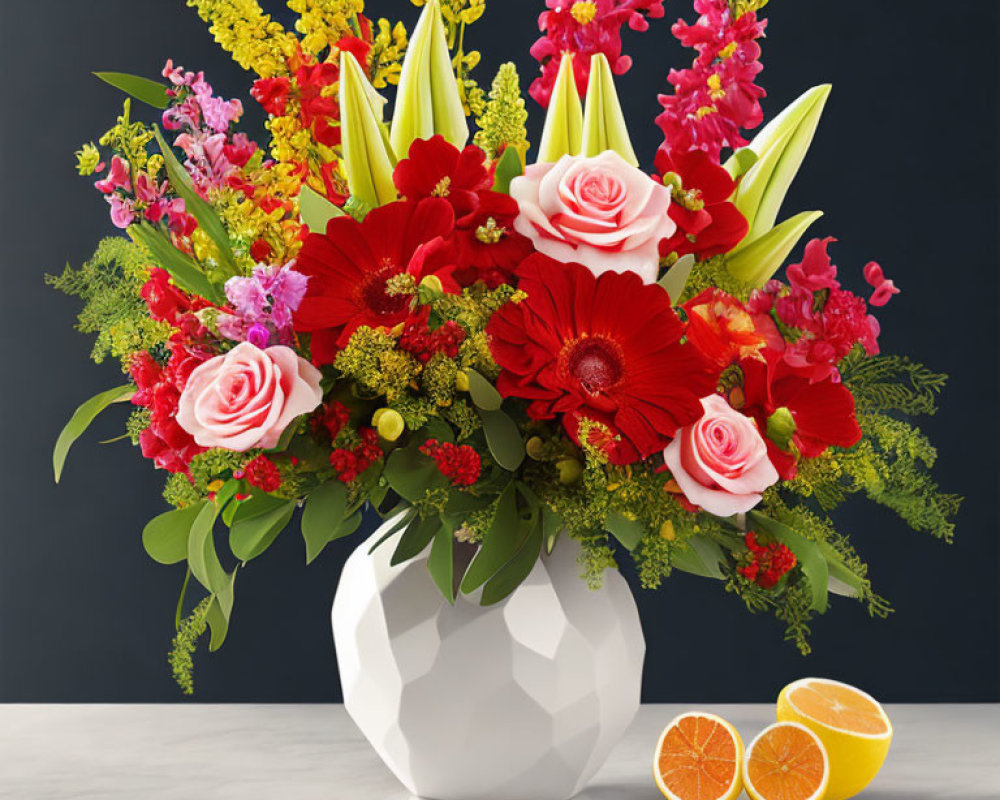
(522, 700)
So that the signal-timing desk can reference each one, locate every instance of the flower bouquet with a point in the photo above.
(504, 352)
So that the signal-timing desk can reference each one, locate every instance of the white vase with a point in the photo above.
(522, 700)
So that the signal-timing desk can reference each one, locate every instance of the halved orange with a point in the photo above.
(853, 727)
(786, 761)
(699, 757)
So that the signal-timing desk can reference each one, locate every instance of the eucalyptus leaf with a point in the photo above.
(503, 438)
(80, 421)
(808, 554)
(165, 537)
(393, 528)
(323, 517)
(410, 473)
(185, 271)
(143, 89)
(257, 523)
(484, 394)
(500, 542)
(316, 210)
(508, 167)
(501, 585)
(202, 557)
(208, 220)
(700, 556)
(418, 534)
(441, 563)
(677, 277)
(220, 612)
(627, 531)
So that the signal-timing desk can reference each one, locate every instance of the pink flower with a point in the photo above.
(884, 287)
(720, 462)
(600, 212)
(117, 177)
(247, 397)
(122, 210)
(816, 272)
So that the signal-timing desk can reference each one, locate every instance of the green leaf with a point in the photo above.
(627, 531)
(552, 527)
(441, 563)
(677, 277)
(504, 439)
(699, 556)
(756, 263)
(202, 558)
(316, 210)
(285, 440)
(220, 612)
(185, 271)
(257, 523)
(208, 220)
(80, 421)
(514, 571)
(226, 494)
(393, 528)
(142, 89)
(842, 580)
(410, 473)
(415, 538)
(808, 554)
(165, 537)
(740, 162)
(508, 167)
(483, 393)
(323, 517)
(500, 542)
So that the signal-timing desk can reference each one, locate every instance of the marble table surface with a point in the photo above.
(314, 752)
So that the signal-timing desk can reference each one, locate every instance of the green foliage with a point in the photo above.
(372, 360)
(179, 491)
(217, 464)
(595, 557)
(713, 274)
(138, 421)
(891, 383)
(190, 630)
(109, 285)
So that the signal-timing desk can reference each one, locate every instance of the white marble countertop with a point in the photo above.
(314, 752)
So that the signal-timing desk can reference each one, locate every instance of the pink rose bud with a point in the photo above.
(247, 397)
(720, 462)
(600, 212)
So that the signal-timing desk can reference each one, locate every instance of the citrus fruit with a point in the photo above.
(699, 757)
(851, 724)
(786, 761)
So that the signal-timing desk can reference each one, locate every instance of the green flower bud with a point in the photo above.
(781, 428)
(570, 470)
(389, 424)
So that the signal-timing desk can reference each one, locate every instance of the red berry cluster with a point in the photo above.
(421, 342)
(334, 417)
(770, 562)
(459, 463)
(349, 463)
(263, 474)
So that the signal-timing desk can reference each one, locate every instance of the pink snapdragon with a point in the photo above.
(263, 305)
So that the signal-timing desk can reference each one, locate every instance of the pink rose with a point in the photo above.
(247, 397)
(720, 462)
(600, 212)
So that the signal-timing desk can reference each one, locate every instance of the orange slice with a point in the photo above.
(853, 727)
(699, 757)
(786, 761)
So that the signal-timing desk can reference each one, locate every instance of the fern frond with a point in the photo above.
(891, 383)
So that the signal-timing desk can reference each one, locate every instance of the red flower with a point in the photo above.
(815, 272)
(606, 349)
(459, 463)
(770, 562)
(822, 411)
(722, 328)
(272, 94)
(421, 342)
(350, 463)
(263, 474)
(884, 287)
(349, 266)
(717, 96)
(166, 302)
(333, 416)
(707, 223)
(487, 247)
(586, 28)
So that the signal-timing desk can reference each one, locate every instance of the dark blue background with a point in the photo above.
(904, 166)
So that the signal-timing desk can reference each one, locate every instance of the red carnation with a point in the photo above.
(263, 474)
(349, 266)
(459, 463)
(350, 463)
(708, 224)
(823, 411)
(606, 349)
(770, 562)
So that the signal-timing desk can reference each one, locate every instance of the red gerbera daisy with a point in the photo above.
(822, 411)
(606, 349)
(349, 266)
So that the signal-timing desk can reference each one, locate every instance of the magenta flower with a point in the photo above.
(263, 305)
(117, 178)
